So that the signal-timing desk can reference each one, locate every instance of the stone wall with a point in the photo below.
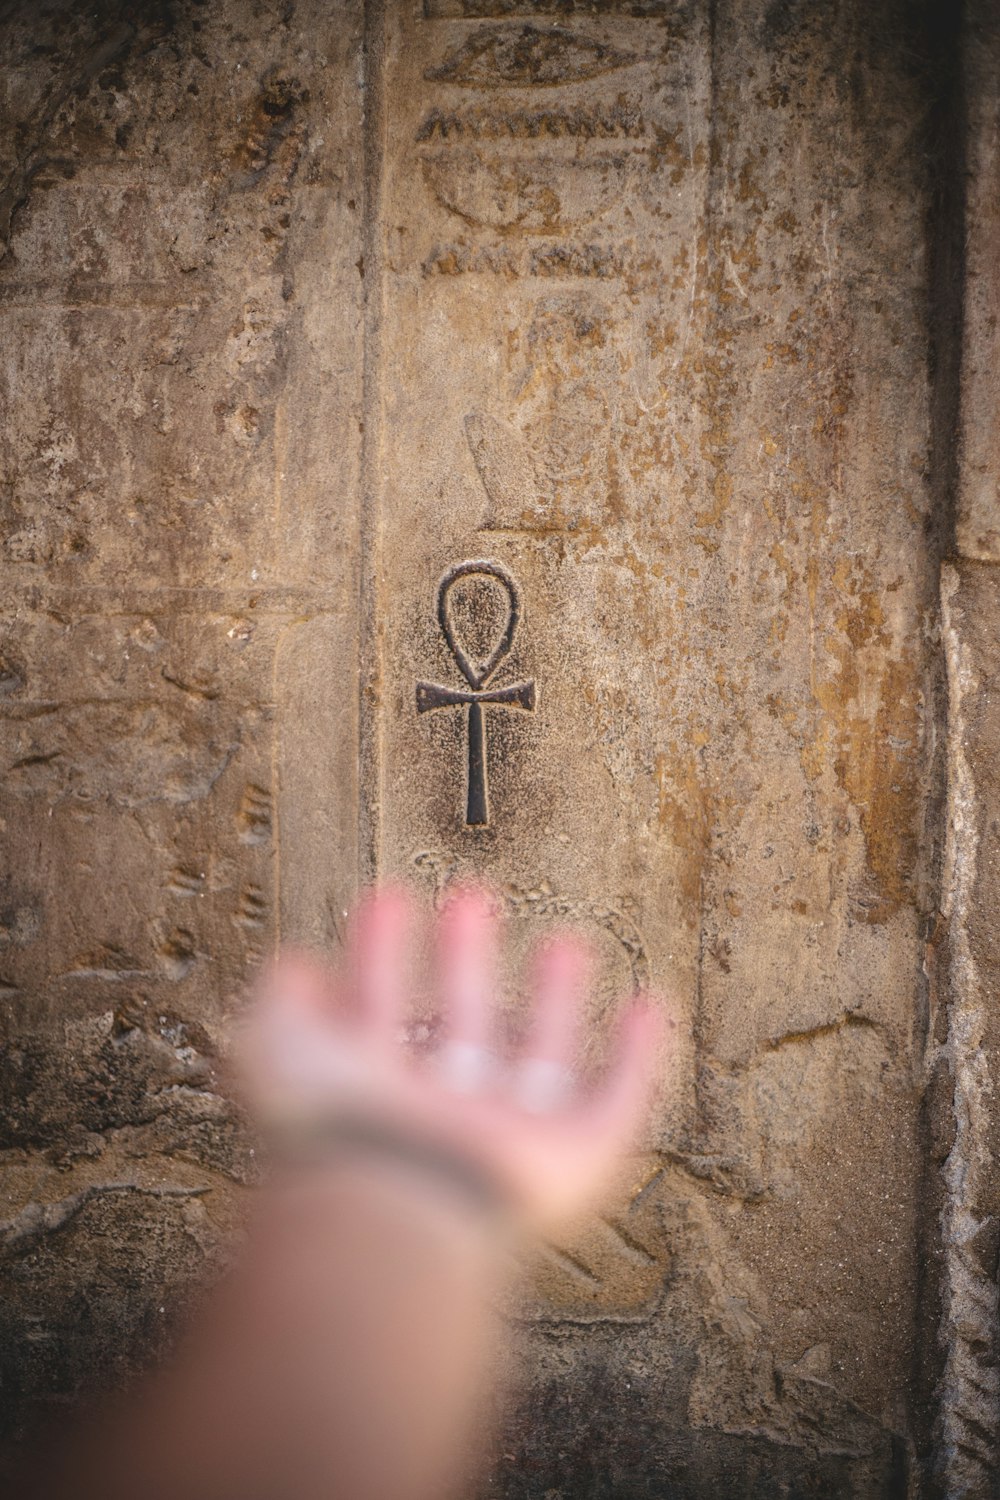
(639, 329)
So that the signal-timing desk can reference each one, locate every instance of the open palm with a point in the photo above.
(326, 1047)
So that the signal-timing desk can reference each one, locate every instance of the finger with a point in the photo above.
(378, 963)
(289, 1019)
(612, 1115)
(562, 969)
(544, 1076)
(467, 958)
(294, 986)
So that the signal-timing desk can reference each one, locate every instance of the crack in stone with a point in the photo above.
(38, 1220)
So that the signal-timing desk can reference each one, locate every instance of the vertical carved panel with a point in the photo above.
(652, 343)
(181, 304)
(542, 187)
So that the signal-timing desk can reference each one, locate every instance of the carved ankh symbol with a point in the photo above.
(477, 695)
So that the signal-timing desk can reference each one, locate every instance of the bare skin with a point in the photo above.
(353, 1351)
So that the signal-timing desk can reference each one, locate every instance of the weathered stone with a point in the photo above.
(622, 354)
(977, 520)
(970, 1388)
(181, 439)
(621, 311)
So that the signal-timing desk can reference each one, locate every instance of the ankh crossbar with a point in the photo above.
(478, 695)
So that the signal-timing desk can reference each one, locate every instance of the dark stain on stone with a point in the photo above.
(94, 48)
(272, 123)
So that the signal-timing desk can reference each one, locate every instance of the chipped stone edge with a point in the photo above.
(969, 1390)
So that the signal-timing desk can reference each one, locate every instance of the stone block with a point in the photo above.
(493, 438)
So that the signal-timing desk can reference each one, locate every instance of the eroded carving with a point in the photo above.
(588, 122)
(527, 57)
(543, 195)
(517, 491)
(610, 1269)
(478, 695)
(543, 902)
(184, 881)
(254, 816)
(177, 953)
(459, 258)
(435, 10)
(252, 907)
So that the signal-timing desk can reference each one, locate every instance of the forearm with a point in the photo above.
(348, 1356)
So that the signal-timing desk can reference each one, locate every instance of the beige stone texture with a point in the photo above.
(631, 304)
(650, 340)
(181, 387)
(969, 1043)
(977, 519)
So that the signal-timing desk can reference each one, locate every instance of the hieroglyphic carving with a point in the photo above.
(435, 10)
(527, 57)
(478, 695)
(613, 1269)
(542, 902)
(253, 820)
(540, 195)
(552, 190)
(519, 493)
(620, 119)
(556, 259)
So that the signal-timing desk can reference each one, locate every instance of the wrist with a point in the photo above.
(398, 1170)
(366, 1141)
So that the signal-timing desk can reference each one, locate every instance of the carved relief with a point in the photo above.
(621, 120)
(543, 195)
(458, 258)
(253, 820)
(541, 901)
(489, 9)
(612, 1268)
(527, 57)
(545, 191)
(520, 496)
(478, 695)
(546, 486)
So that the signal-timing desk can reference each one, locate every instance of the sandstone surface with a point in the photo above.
(612, 362)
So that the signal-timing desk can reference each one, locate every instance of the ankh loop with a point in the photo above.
(478, 695)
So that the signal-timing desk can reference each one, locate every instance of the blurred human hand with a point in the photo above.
(324, 1048)
(355, 1344)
